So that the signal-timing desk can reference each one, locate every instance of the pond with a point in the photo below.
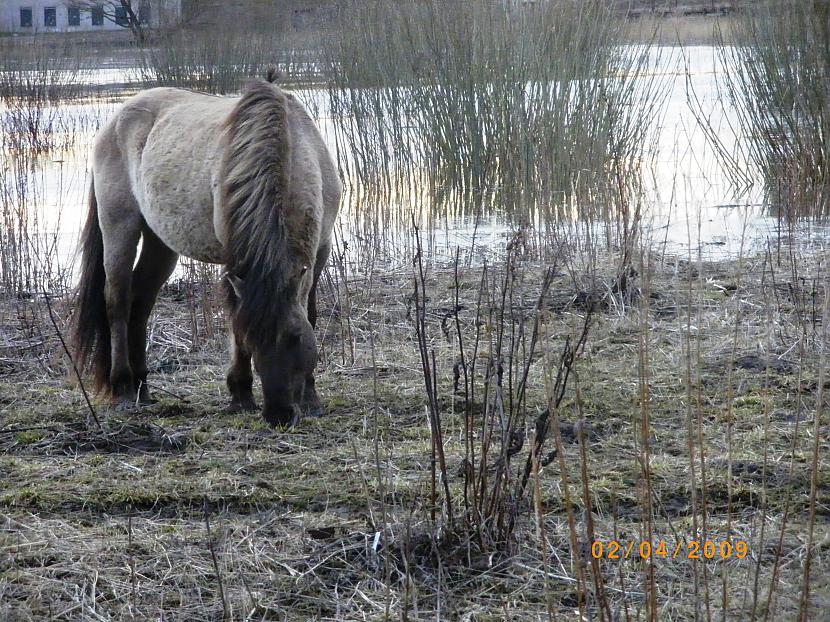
(690, 203)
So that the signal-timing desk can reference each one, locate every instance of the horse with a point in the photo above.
(247, 182)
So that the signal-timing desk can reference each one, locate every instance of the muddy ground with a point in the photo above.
(180, 511)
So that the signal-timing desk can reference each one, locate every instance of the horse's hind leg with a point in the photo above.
(121, 230)
(155, 264)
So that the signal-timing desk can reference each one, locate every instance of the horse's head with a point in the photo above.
(284, 367)
(274, 214)
(284, 356)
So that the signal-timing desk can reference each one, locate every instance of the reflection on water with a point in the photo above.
(687, 198)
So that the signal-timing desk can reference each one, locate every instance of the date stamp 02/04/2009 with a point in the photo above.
(692, 549)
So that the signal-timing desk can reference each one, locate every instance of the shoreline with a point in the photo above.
(683, 30)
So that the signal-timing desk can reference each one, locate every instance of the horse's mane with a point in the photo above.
(255, 176)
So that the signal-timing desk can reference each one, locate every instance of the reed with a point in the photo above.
(36, 79)
(31, 259)
(201, 60)
(776, 82)
(541, 104)
(39, 80)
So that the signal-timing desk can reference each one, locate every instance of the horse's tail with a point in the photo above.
(91, 337)
(256, 172)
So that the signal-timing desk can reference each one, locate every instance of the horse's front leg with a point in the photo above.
(240, 379)
(311, 401)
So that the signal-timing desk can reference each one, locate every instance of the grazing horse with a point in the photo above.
(246, 182)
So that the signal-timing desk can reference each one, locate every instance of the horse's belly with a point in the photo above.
(186, 228)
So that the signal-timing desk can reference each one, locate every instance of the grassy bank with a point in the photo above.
(182, 511)
(495, 418)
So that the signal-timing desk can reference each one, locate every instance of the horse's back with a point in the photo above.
(165, 143)
(165, 149)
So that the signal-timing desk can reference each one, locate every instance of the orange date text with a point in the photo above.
(693, 549)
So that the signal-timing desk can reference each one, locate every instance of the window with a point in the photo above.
(121, 16)
(26, 17)
(98, 16)
(73, 14)
(50, 17)
(144, 12)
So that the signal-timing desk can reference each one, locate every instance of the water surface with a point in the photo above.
(690, 203)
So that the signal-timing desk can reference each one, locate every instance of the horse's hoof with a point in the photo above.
(295, 418)
(124, 406)
(238, 406)
(315, 412)
(283, 423)
(311, 405)
(145, 399)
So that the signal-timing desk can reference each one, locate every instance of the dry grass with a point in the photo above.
(184, 512)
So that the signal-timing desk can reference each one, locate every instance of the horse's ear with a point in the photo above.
(236, 283)
(273, 73)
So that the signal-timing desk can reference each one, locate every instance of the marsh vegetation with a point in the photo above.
(782, 60)
(514, 361)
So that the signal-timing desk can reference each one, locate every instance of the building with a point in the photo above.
(32, 16)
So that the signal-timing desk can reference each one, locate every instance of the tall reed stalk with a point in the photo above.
(36, 79)
(776, 79)
(203, 61)
(543, 101)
